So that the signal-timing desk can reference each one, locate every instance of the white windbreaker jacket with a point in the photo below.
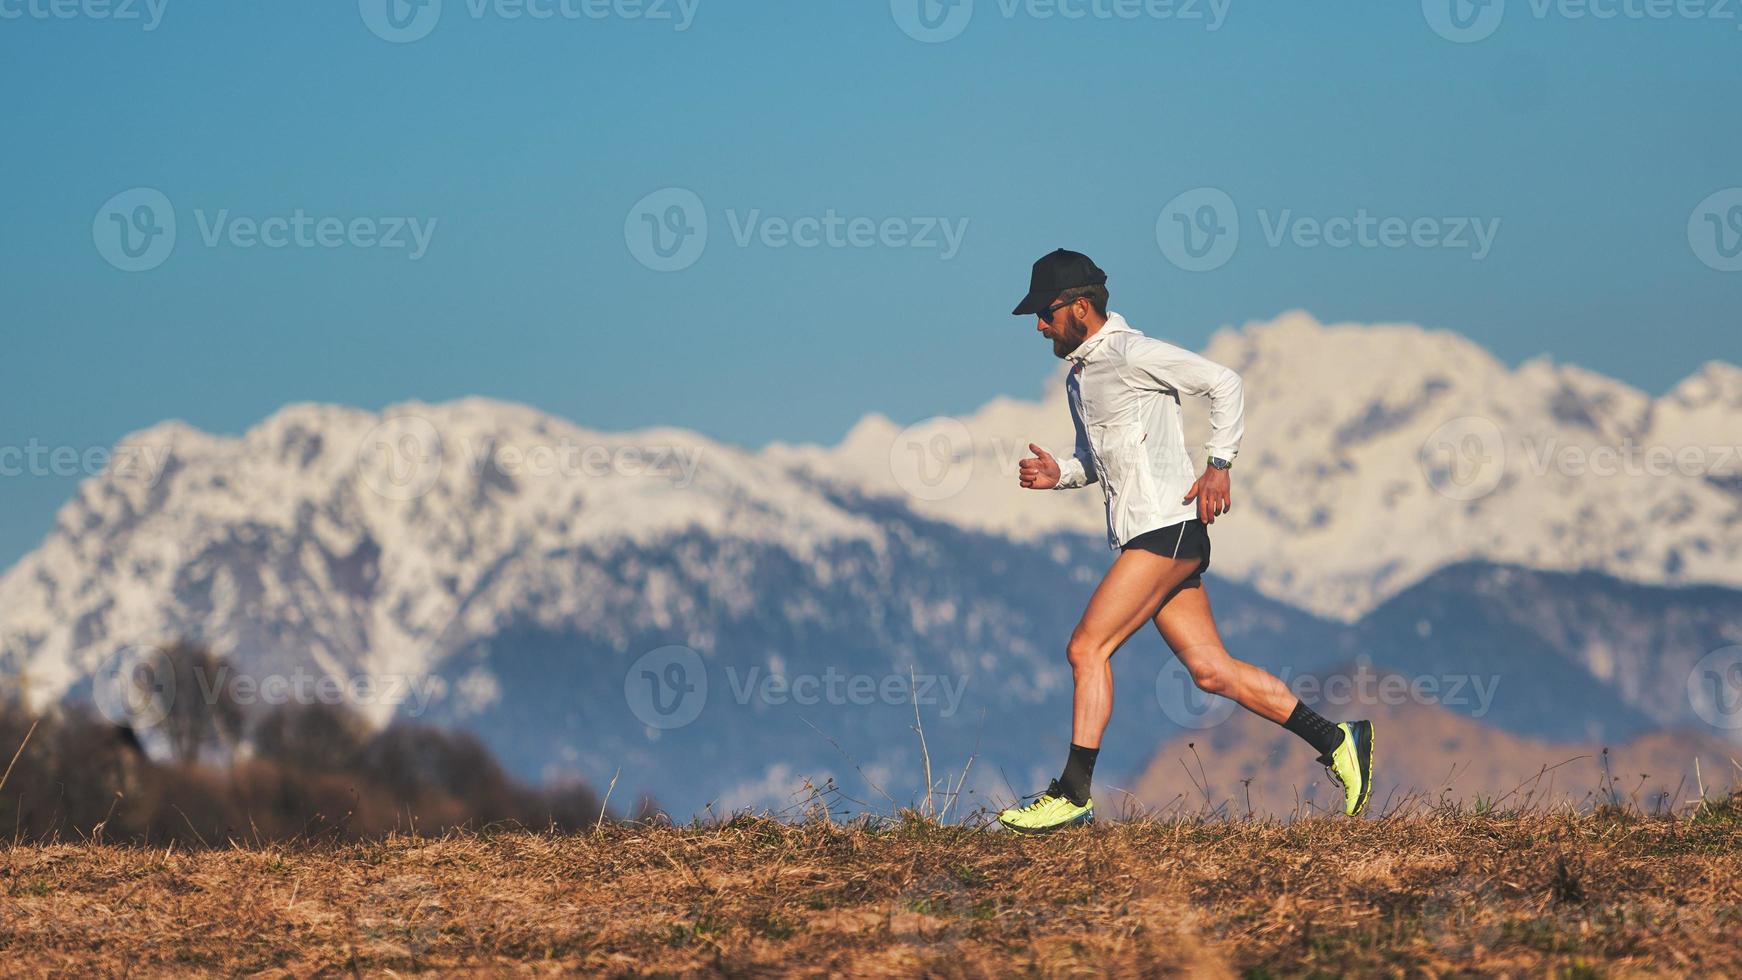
(1124, 390)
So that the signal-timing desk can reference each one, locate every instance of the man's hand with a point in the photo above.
(1041, 472)
(1212, 494)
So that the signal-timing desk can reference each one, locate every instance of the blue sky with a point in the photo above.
(520, 146)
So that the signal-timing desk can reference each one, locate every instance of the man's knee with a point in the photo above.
(1085, 651)
(1212, 671)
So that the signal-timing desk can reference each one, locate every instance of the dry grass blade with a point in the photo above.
(15, 755)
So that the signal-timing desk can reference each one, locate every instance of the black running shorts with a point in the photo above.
(1188, 540)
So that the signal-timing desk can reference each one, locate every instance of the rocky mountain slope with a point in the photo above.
(564, 591)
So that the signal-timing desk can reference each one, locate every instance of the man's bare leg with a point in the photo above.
(1189, 628)
(1130, 594)
(1187, 624)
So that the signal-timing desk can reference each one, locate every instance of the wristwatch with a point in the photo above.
(1220, 463)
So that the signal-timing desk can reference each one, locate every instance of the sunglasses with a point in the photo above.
(1047, 313)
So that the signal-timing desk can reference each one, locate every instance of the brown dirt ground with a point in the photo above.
(1447, 892)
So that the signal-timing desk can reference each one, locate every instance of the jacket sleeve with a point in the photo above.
(1161, 366)
(1077, 469)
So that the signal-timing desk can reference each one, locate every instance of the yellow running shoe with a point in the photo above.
(1051, 811)
(1351, 765)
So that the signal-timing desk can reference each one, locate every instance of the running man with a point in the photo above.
(1124, 390)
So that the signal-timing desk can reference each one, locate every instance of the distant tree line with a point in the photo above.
(223, 772)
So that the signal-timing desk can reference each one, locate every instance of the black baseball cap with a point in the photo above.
(1053, 274)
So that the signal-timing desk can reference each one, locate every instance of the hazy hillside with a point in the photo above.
(1426, 752)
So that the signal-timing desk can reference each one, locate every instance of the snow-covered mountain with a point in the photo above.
(1375, 455)
(524, 565)
(380, 544)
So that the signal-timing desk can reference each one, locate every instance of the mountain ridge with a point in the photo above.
(512, 554)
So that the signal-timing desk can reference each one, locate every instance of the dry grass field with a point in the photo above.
(1437, 892)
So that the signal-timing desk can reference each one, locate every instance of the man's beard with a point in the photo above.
(1071, 336)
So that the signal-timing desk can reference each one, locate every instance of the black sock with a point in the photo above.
(1079, 769)
(1310, 725)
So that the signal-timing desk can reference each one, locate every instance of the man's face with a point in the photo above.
(1065, 329)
